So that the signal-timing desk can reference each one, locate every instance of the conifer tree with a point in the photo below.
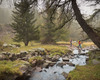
(48, 33)
(24, 22)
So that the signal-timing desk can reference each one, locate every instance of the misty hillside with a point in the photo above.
(6, 8)
(6, 33)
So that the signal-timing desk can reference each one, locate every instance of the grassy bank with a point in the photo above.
(87, 72)
(10, 69)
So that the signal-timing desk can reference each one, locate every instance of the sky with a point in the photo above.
(85, 7)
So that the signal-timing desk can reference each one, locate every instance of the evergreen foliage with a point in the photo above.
(49, 34)
(24, 22)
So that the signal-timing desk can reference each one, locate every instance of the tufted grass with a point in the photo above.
(87, 72)
(10, 68)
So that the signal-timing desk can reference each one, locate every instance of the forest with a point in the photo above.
(49, 39)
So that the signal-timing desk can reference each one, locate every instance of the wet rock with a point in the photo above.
(49, 58)
(65, 74)
(55, 72)
(55, 58)
(49, 63)
(45, 70)
(70, 64)
(65, 59)
(82, 53)
(87, 59)
(45, 65)
(61, 64)
(39, 69)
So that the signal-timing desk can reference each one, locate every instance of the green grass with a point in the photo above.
(8, 69)
(87, 72)
(55, 49)
(35, 58)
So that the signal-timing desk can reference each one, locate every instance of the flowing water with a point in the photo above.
(55, 72)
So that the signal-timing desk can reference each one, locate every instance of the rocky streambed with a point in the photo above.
(42, 66)
(62, 67)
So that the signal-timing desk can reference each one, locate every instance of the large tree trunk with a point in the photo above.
(92, 35)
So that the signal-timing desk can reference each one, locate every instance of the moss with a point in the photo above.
(9, 69)
(35, 58)
(88, 72)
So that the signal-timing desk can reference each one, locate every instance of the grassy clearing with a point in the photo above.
(84, 44)
(55, 49)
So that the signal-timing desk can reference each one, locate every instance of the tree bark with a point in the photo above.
(92, 35)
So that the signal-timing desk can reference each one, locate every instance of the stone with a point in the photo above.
(87, 59)
(13, 56)
(2, 57)
(6, 53)
(65, 75)
(50, 63)
(95, 62)
(23, 54)
(61, 64)
(39, 69)
(33, 63)
(5, 45)
(65, 59)
(70, 64)
(45, 65)
(55, 59)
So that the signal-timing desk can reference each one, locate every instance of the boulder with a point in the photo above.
(65, 59)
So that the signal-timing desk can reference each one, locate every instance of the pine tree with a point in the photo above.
(24, 22)
(48, 33)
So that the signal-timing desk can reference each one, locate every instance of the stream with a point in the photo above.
(55, 72)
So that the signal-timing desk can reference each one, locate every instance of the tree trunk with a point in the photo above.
(26, 43)
(92, 35)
